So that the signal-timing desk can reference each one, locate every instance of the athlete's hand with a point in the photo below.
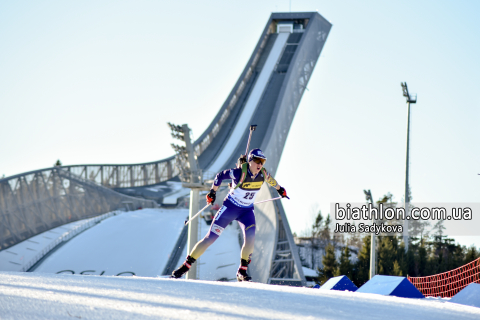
(211, 196)
(241, 160)
(282, 192)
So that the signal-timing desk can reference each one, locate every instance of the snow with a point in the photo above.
(307, 272)
(25, 254)
(140, 242)
(59, 296)
(177, 192)
(137, 242)
(222, 259)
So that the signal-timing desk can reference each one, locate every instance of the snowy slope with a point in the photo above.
(222, 259)
(22, 256)
(50, 296)
(137, 242)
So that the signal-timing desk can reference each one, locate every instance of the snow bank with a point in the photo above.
(136, 242)
(50, 296)
(22, 256)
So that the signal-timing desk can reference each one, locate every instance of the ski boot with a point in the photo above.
(242, 271)
(183, 268)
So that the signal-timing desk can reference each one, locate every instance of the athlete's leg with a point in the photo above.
(223, 217)
(247, 224)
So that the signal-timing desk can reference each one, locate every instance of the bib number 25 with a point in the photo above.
(249, 195)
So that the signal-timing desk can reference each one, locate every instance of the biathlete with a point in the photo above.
(247, 180)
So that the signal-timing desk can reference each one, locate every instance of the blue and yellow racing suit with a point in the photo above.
(237, 205)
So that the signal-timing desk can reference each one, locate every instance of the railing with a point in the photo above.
(40, 200)
(127, 175)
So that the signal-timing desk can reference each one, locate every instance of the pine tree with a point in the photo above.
(345, 267)
(417, 228)
(362, 267)
(355, 238)
(325, 233)
(421, 265)
(440, 257)
(316, 229)
(410, 267)
(456, 254)
(471, 255)
(386, 255)
(317, 225)
(439, 231)
(397, 271)
(329, 265)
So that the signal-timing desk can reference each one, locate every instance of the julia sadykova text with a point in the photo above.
(368, 228)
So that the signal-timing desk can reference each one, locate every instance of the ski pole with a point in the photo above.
(188, 220)
(270, 200)
(252, 128)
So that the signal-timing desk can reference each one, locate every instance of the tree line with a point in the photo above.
(429, 252)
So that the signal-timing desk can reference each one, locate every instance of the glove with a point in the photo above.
(282, 192)
(241, 160)
(211, 196)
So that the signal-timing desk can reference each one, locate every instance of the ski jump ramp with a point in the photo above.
(267, 94)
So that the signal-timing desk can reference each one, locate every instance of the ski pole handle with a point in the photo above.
(188, 220)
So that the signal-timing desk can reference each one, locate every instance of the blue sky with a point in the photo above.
(96, 82)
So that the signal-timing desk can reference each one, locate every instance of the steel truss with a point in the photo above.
(128, 175)
(38, 201)
(285, 267)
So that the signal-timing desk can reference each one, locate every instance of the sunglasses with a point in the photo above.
(259, 160)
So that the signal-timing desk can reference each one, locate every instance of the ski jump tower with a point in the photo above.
(267, 94)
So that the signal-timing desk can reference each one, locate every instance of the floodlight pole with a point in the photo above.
(410, 99)
(195, 187)
(373, 245)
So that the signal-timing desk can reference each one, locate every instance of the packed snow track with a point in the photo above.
(50, 296)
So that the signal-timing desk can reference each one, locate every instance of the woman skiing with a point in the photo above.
(247, 179)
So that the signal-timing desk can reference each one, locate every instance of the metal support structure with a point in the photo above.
(127, 175)
(38, 201)
(410, 99)
(407, 193)
(187, 161)
(373, 244)
(193, 230)
(192, 160)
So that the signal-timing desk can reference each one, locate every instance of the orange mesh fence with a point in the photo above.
(449, 283)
